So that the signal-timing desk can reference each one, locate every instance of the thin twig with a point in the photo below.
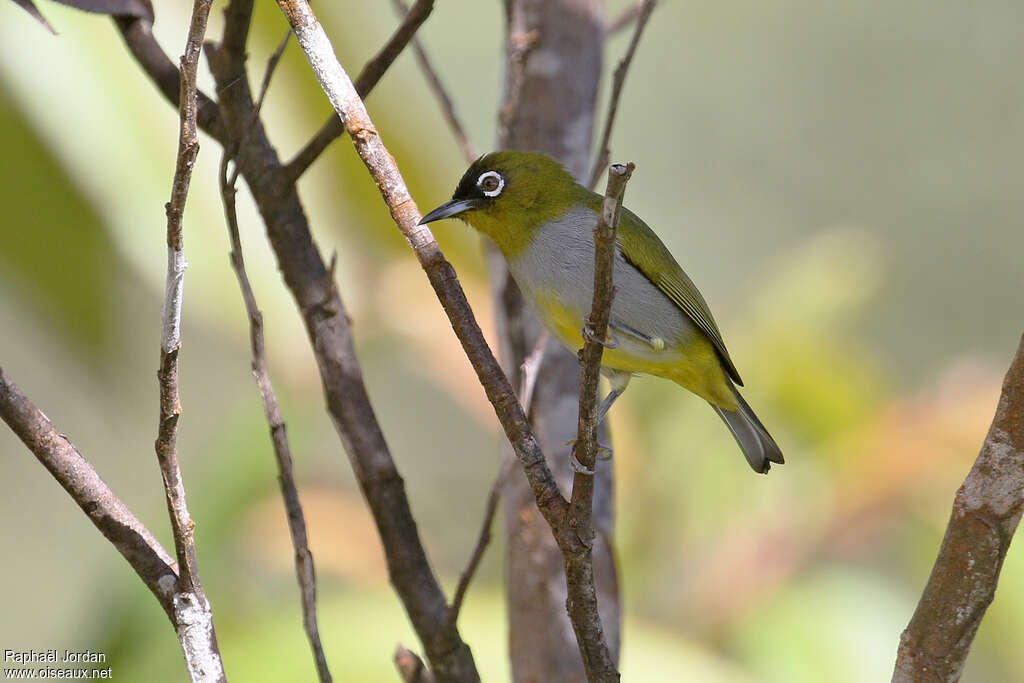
(194, 619)
(529, 370)
(268, 74)
(618, 80)
(626, 17)
(170, 404)
(986, 512)
(439, 90)
(483, 538)
(368, 78)
(115, 521)
(579, 567)
(304, 568)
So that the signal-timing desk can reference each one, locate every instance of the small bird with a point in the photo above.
(543, 222)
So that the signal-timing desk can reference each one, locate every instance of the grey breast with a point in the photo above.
(562, 259)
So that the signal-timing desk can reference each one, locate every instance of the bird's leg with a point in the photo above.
(607, 403)
(618, 381)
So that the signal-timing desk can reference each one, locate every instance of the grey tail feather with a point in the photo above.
(757, 444)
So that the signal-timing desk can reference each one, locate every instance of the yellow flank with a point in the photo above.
(694, 366)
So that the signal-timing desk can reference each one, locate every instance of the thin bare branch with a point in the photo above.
(272, 62)
(579, 567)
(105, 510)
(618, 81)
(483, 538)
(268, 74)
(529, 371)
(986, 512)
(170, 404)
(194, 620)
(439, 90)
(368, 78)
(627, 16)
(304, 567)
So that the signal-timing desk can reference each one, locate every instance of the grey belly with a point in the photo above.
(562, 259)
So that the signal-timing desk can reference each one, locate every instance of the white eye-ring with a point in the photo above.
(491, 183)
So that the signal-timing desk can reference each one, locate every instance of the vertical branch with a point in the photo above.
(986, 512)
(193, 617)
(304, 568)
(553, 59)
(579, 568)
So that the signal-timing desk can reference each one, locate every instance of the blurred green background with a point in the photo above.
(843, 182)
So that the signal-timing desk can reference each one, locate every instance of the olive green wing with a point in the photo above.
(645, 251)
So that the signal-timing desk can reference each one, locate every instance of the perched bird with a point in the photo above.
(542, 220)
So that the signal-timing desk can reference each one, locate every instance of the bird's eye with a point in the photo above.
(491, 183)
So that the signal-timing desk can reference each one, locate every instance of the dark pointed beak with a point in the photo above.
(449, 209)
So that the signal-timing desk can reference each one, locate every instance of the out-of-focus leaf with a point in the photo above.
(130, 8)
(31, 9)
(54, 251)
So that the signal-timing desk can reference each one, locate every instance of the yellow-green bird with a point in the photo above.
(543, 222)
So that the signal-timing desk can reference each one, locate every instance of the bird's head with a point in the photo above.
(509, 195)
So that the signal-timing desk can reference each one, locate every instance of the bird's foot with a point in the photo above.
(603, 453)
(587, 332)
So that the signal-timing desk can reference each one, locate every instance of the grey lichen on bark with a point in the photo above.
(554, 53)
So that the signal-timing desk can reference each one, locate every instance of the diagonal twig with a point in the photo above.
(529, 371)
(618, 80)
(440, 91)
(627, 16)
(304, 568)
(368, 78)
(268, 74)
(483, 538)
(115, 521)
(986, 512)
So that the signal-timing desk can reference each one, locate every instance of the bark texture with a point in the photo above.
(986, 512)
(553, 65)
